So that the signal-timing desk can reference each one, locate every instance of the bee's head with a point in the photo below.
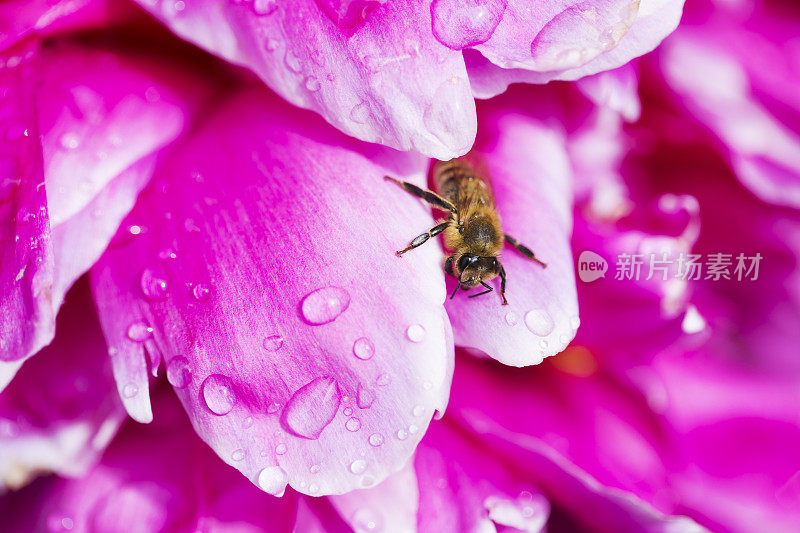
(471, 269)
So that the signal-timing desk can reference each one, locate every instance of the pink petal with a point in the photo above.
(263, 224)
(153, 478)
(615, 89)
(569, 42)
(528, 165)
(26, 265)
(379, 76)
(61, 410)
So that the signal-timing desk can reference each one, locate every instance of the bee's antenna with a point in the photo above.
(455, 291)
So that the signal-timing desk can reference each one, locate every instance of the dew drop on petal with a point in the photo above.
(313, 488)
(273, 408)
(539, 322)
(511, 318)
(201, 292)
(281, 449)
(237, 455)
(130, 390)
(402, 434)
(353, 424)
(364, 397)
(263, 8)
(178, 372)
(348, 14)
(312, 84)
(358, 466)
(154, 286)
(325, 305)
(218, 394)
(458, 24)
(139, 331)
(415, 333)
(383, 380)
(248, 422)
(272, 480)
(412, 429)
(363, 348)
(360, 113)
(312, 407)
(347, 411)
(292, 62)
(418, 410)
(543, 344)
(273, 343)
(376, 439)
(314, 469)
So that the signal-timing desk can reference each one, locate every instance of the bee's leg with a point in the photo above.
(488, 289)
(429, 196)
(503, 284)
(524, 250)
(419, 240)
(455, 291)
(448, 266)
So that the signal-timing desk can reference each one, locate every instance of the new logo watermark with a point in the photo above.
(591, 266)
(663, 266)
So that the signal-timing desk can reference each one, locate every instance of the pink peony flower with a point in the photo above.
(203, 235)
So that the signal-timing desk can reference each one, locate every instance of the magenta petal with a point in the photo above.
(379, 75)
(264, 275)
(159, 477)
(26, 264)
(62, 409)
(528, 164)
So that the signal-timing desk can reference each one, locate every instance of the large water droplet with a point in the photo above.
(376, 439)
(281, 449)
(178, 372)
(272, 480)
(273, 343)
(418, 410)
(312, 407)
(139, 331)
(364, 397)
(415, 333)
(130, 390)
(324, 305)
(402, 434)
(363, 348)
(153, 285)
(458, 24)
(353, 424)
(358, 466)
(292, 62)
(539, 322)
(348, 14)
(218, 394)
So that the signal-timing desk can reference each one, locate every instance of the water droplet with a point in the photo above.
(418, 410)
(402, 434)
(415, 333)
(139, 331)
(347, 411)
(130, 390)
(458, 24)
(201, 292)
(575, 321)
(273, 408)
(153, 285)
(324, 305)
(24, 216)
(364, 397)
(412, 429)
(179, 374)
(70, 141)
(383, 380)
(273, 343)
(358, 466)
(563, 339)
(313, 488)
(314, 469)
(237, 455)
(272, 480)
(263, 8)
(360, 113)
(543, 344)
(363, 348)
(376, 439)
(292, 62)
(271, 44)
(167, 254)
(312, 407)
(353, 424)
(281, 449)
(427, 385)
(217, 391)
(367, 521)
(511, 319)
(539, 322)
(248, 422)
(313, 84)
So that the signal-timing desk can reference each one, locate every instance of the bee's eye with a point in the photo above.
(465, 261)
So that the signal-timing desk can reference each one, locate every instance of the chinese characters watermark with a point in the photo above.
(662, 266)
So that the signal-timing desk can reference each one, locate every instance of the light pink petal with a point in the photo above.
(62, 409)
(579, 40)
(528, 164)
(159, 477)
(374, 71)
(614, 89)
(264, 224)
(26, 264)
(464, 487)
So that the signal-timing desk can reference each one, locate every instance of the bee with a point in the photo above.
(472, 229)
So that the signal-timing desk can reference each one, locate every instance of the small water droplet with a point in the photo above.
(292, 62)
(273, 408)
(271, 44)
(179, 374)
(543, 344)
(70, 141)
(237, 455)
(313, 488)
(272, 480)
(363, 348)
(418, 410)
(539, 322)
(415, 333)
(427, 385)
(166, 254)
(358, 466)
(314, 469)
(313, 84)
(353, 424)
(458, 24)
(376, 439)
(402, 434)
(153, 285)
(248, 422)
(262, 8)
(511, 319)
(273, 343)
(24, 216)
(325, 305)
(563, 339)
(364, 397)
(201, 292)
(218, 394)
(139, 331)
(360, 113)
(281, 449)
(312, 407)
(347, 411)
(412, 429)
(130, 390)
(383, 380)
